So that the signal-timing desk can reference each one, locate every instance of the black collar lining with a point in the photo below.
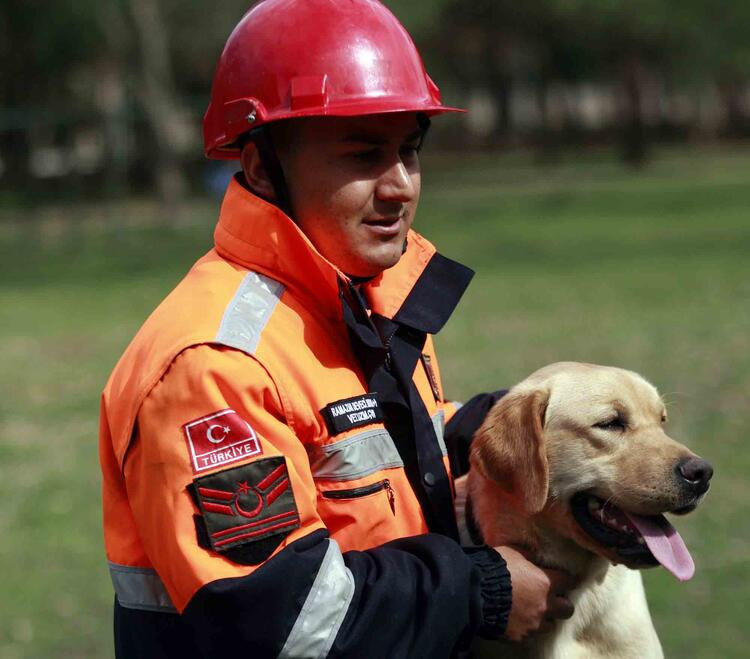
(435, 295)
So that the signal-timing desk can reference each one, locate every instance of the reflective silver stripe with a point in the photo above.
(248, 312)
(318, 622)
(140, 588)
(438, 421)
(456, 405)
(356, 456)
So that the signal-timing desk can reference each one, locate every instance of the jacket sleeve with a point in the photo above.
(292, 593)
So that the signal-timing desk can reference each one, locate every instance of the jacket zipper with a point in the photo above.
(363, 491)
(387, 346)
(431, 377)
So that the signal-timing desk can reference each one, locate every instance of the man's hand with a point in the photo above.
(539, 595)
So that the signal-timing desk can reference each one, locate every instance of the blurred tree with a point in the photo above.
(142, 70)
(38, 55)
(156, 90)
(496, 43)
(717, 48)
(624, 41)
(418, 16)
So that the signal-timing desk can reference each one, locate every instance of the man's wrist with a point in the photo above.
(496, 590)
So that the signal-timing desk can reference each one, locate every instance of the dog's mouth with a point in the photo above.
(640, 540)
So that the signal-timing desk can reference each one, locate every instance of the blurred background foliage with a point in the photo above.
(599, 186)
(105, 96)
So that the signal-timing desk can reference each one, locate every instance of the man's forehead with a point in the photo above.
(375, 129)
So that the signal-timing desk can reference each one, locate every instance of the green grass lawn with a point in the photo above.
(582, 260)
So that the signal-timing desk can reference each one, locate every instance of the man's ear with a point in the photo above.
(509, 448)
(255, 173)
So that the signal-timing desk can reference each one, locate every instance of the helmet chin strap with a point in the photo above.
(261, 137)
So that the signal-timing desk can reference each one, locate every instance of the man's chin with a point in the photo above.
(375, 268)
(373, 263)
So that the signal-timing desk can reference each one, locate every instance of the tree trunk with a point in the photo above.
(633, 130)
(737, 121)
(501, 84)
(156, 92)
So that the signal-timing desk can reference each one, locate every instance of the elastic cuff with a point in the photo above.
(496, 590)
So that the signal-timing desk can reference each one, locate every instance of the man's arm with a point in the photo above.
(461, 426)
(289, 590)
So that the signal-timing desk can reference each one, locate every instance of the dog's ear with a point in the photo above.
(509, 448)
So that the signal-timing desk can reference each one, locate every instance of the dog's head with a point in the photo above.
(581, 449)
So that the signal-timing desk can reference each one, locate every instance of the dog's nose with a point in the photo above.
(696, 473)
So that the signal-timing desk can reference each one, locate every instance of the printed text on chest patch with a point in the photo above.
(220, 438)
(348, 413)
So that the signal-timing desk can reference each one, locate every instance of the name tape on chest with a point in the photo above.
(348, 413)
(220, 438)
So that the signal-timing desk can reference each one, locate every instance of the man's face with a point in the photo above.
(354, 186)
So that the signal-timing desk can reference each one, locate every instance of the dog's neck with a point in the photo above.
(501, 522)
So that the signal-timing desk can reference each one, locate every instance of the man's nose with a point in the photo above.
(395, 184)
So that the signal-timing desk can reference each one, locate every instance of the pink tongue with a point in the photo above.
(665, 544)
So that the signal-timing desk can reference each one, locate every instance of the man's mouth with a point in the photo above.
(640, 540)
(385, 226)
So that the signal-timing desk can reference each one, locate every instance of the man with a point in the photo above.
(276, 480)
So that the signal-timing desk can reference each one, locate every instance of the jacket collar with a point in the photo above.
(421, 290)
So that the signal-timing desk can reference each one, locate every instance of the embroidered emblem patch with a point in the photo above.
(349, 413)
(247, 503)
(219, 439)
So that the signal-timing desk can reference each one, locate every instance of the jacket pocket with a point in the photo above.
(364, 491)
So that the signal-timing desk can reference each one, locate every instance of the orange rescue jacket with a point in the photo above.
(243, 419)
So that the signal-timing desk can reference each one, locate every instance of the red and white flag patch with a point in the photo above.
(219, 439)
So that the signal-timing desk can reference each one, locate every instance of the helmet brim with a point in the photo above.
(231, 151)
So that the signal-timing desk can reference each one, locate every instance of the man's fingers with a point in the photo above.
(561, 582)
(560, 608)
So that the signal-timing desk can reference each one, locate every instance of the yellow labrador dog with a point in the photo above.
(573, 464)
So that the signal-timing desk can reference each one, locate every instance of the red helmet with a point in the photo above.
(306, 58)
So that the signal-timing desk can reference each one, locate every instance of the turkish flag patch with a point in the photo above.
(220, 438)
(247, 503)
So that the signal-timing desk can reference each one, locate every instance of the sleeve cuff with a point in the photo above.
(495, 588)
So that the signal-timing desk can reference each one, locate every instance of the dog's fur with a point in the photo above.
(548, 440)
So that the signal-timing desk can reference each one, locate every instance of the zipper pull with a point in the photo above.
(431, 377)
(387, 346)
(391, 495)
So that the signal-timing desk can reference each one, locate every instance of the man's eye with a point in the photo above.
(367, 155)
(611, 424)
(411, 150)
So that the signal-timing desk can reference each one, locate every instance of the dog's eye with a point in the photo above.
(611, 424)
